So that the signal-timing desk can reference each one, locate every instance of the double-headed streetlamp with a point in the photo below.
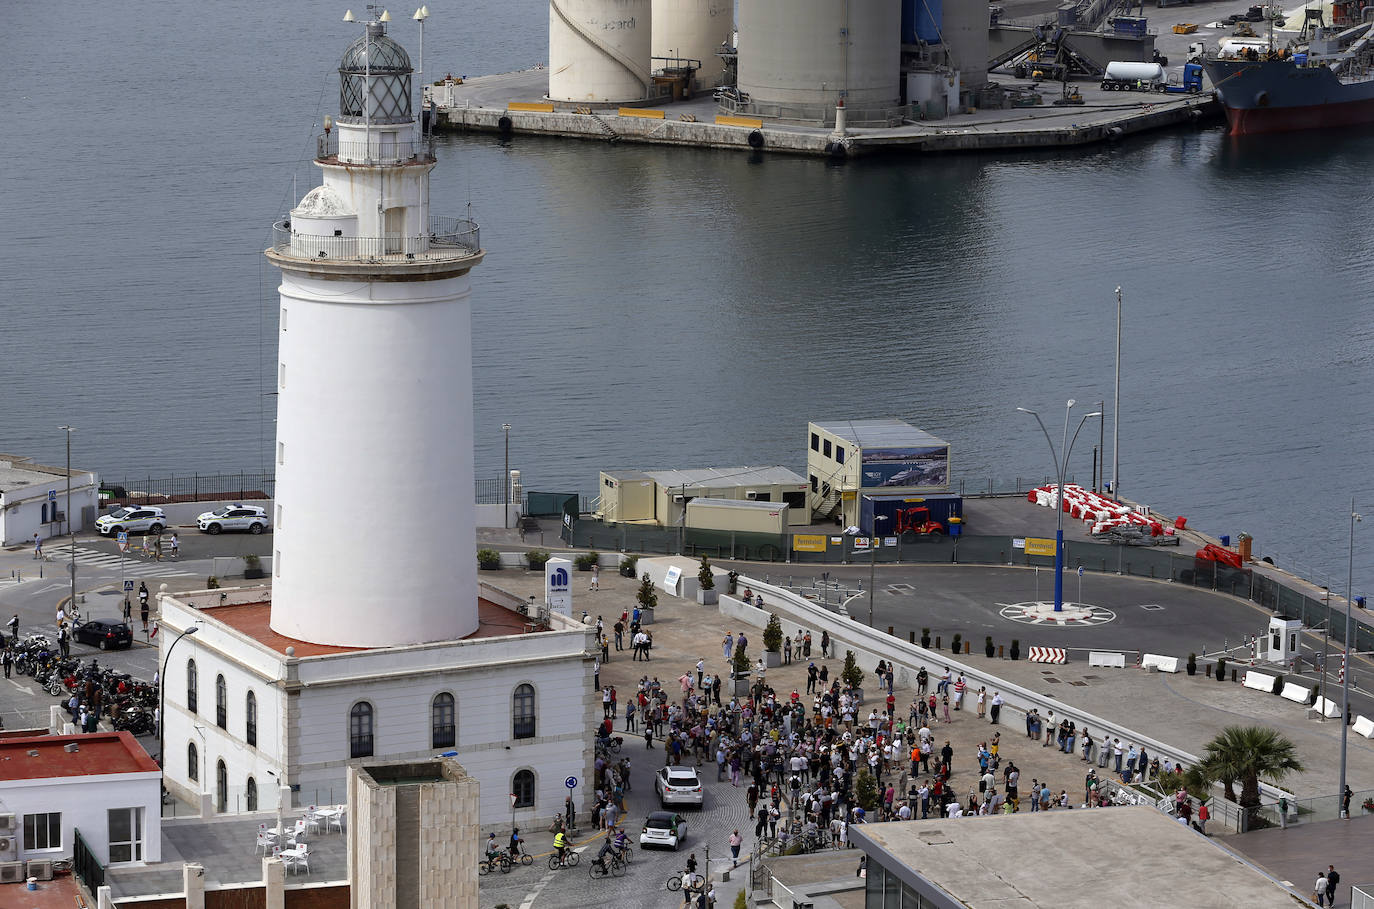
(1116, 406)
(1349, 652)
(162, 700)
(1061, 467)
(873, 563)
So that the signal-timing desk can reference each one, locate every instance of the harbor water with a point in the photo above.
(655, 307)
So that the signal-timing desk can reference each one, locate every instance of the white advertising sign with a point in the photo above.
(558, 586)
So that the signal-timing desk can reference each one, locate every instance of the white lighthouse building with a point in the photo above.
(272, 691)
(374, 384)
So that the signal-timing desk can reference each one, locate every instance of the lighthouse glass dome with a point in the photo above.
(376, 59)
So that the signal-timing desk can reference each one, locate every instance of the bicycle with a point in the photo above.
(520, 858)
(613, 864)
(570, 860)
(675, 882)
(493, 862)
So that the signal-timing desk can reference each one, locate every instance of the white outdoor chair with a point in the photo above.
(300, 827)
(312, 823)
(336, 821)
(265, 842)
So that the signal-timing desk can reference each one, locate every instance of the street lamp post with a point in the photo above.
(1345, 676)
(873, 563)
(505, 495)
(1116, 406)
(1061, 467)
(71, 533)
(162, 700)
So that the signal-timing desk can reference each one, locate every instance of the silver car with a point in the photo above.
(678, 786)
(134, 519)
(233, 517)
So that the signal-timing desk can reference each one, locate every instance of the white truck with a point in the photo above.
(1122, 76)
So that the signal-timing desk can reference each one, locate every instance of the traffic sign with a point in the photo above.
(1080, 571)
(512, 800)
(571, 782)
(122, 536)
(128, 586)
(52, 495)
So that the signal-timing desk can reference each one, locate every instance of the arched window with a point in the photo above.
(251, 713)
(221, 703)
(522, 787)
(192, 762)
(221, 787)
(523, 712)
(191, 685)
(443, 729)
(252, 794)
(360, 730)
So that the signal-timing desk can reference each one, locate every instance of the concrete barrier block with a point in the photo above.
(1364, 726)
(1296, 693)
(1259, 681)
(1159, 662)
(1107, 659)
(1327, 708)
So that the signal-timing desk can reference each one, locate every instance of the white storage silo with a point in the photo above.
(599, 50)
(965, 31)
(694, 30)
(796, 57)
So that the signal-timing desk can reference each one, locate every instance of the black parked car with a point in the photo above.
(104, 634)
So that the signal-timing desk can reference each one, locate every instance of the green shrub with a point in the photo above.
(488, 559)
(212, 583)
(772, 635)
(851, 675)
(705, 579)
(536, 558)
(629, 565)
(866, 790)
(587, 561)
(957, 645)
(741, 901)
(646, 595)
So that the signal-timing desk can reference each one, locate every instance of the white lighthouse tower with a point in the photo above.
(374, 408)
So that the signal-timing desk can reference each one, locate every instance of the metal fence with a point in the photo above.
(216, 487)
(85, 865)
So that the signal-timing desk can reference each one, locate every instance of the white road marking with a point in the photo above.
(24, 688)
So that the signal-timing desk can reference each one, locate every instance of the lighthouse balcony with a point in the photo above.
(380, 148)
(446, 239)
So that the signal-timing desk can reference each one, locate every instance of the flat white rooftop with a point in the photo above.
(880, 433)
(714, 477)
(1069, 859)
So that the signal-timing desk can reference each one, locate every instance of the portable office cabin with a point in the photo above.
(847, 459)
(738, 515)
(627, 496)
(658, 496)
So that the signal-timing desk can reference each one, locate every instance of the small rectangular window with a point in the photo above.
(278, 521)
(43, 831)
(815, 483)
(276, 564)
(825, 448)
(281, 452)
(281, 375)
(815, 442)
(126, 835)
(283, 318)
(839, 453)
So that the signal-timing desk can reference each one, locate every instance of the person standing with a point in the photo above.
(596, 577)
(8, 660)
(1319, 889)
(701, 670)
(1203, 814)
(787, 651)
(996, 706)
(982, 701)
(64, 642)
(825, 644)
(727, 645)
(143, 611)
(619, 629)
(13, 625)
(128, 610)
(1333, 878)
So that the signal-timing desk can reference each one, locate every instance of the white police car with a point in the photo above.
(233, 517)
(132, 518)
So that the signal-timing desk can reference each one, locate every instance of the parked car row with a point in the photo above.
(153, 520)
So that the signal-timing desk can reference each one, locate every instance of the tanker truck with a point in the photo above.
(1128, 77)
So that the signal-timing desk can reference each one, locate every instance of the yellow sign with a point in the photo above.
(640, 112)
(808, 542)
(747, 122)
(1039, 546)
(532, 106)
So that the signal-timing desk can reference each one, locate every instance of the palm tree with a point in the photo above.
(1249, 754)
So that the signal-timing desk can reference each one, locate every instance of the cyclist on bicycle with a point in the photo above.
(606, 847)
(493, 850)
(560, 844)
(514, 843)
(622, 842)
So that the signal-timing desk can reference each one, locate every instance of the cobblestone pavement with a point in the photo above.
(683, 633)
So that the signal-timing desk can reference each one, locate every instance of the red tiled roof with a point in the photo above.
(97, 753)
(254, 620)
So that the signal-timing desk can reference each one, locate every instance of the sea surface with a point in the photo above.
(651, 307)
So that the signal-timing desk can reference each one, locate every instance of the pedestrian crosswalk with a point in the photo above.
(110, 562)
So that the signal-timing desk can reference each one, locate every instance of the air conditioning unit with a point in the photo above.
(678, 500)
(750, 494)
(40, 869)
(6, 823)
(11, 872)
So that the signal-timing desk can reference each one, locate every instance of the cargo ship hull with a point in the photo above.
(1270, 96)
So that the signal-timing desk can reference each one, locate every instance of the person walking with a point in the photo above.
(173, 545)
(735, 842)
(825, 643)
(64, 642)
(996, 706)
(1319, 889)
(8, 661)
(1333, 878)
(128, 610)
(727, 645)
(143, 611)
(37, 546)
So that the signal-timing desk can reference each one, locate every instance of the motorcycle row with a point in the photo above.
(130, 703)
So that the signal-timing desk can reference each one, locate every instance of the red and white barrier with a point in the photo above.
(1098, 510)
(1048, 655)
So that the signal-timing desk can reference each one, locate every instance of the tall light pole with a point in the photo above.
(505, 496)
(71, 534)
(1116, 407)
(873, 563)
(162, 700)
(1061, 467)
(1345, 676)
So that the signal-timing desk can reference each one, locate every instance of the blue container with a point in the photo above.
(1225, 540)
(922, 21)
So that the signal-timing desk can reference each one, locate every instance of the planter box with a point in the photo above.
(646, 616)
(739, 684)
(772, 658)
(708, 597)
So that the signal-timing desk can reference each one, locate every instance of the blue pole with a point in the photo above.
(1059, 564)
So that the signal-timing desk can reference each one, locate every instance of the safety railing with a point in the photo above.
(378, 150)
(447, 238)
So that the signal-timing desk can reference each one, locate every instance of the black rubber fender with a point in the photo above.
(836, 150)
(756, 139)
(504, 125)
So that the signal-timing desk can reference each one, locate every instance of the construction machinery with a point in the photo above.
(917, 520)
